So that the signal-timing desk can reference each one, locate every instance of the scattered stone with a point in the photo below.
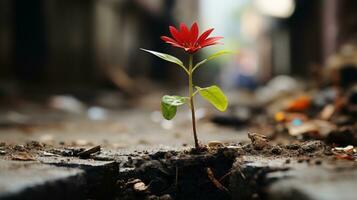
(346, 149)
(276, 150)
(140, 187)
(312, 146)
(168, 155)
(2, 152)
(318, 162)
(34, 145)
(67, 152)
(215, 144)
(292, 146)
(19, 147)
(259, 141)
(45, 153)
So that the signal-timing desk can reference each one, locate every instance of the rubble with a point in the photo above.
(259, 141)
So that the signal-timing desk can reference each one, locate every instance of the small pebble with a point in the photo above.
(312, 146)
(215, 144)
(140, 187)
(19, 147)
(168, 155)
(259, 141)
(287, 161)
(292, 146)
(276, 150)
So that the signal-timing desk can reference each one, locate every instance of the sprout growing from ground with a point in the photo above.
(191, 42)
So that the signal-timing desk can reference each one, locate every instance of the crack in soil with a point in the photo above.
(210, 173)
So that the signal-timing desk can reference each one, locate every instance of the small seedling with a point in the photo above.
(191, 42)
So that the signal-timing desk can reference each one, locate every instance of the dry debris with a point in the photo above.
(259, 141)
(23, 156)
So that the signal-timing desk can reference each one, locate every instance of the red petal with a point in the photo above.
(204, 35)
(194, 49)
(171, 41)
(194, 32)
(210, 41)
(168, 39)
(185, 33)
(175, 34)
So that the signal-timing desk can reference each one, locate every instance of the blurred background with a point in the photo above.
(71, 70)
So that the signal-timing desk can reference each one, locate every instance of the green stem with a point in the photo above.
(191, 95)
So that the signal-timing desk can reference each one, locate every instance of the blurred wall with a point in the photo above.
(6, 39)
(66, 42)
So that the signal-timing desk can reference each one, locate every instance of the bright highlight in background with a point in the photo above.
(276, 8)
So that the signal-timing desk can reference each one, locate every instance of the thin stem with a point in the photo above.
(191, 95)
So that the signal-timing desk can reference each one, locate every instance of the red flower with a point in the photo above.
(188, 39)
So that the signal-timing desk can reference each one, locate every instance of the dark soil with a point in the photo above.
(207, 174)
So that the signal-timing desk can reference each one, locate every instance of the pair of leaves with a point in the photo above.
(212, 94)
(177, 61)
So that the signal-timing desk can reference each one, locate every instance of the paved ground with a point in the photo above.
(140, 132)
(120, 128)
(62, 174)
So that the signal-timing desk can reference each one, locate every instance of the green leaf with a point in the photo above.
(215, 96)
(168, 111)
(174, 100)
(169, 105)
(168, 58)
(213, 56)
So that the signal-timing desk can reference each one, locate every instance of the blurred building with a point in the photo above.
(68, 42)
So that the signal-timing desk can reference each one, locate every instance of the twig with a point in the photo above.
(86, 153)
(215, 181)
(231, 171)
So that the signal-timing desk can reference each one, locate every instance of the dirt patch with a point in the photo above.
(208, 174)
(211, 172)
